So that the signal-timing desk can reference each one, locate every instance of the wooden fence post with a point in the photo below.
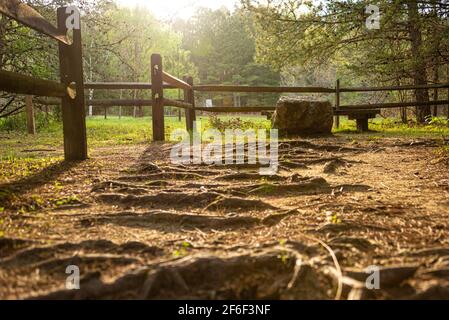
(157, 95)
(435, 98)
(73, 105)
(120, 107)
(31, 125)
(337, 103)
(189, 97)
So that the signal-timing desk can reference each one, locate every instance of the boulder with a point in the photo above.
(298, 116)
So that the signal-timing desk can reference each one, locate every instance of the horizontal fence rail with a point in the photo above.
(178, 104)
(117, 85)
(47, 102)
(101, 102)
(235, 109)
(267, 89)
(26, 15)
(393, 105)
(184, 105)
(20, 84)
(263, 89)
(123, 85)
(349, 112)
(119, 103)
(179, 84)
(395, 88)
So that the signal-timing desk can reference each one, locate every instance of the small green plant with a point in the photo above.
(57, 185)
(67, 201)
(183, 250)
(37, 200)
(333, 218)
(438, 122)
(222, 124)
(283, 256)
(23, 210)
(443, 154)
(265, 188)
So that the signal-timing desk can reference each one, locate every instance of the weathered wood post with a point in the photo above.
(157, 95)
(337, 103)
(31, 125)
(189, 97)
(447, 75)
(120, 107)
(435, 98)
(73, 104)
(362, 124)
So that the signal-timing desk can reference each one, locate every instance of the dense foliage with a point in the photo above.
(213, 47)
(260, 43)
(410, 45)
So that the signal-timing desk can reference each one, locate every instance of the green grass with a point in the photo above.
(102, 133)
(22, 155)
(443, 153)
(129, 131)
(438, 128)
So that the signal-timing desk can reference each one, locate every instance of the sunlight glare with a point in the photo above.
(170, 9)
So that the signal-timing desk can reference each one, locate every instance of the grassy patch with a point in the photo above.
(442, 154)
(438, 128)
(13, 168)
(22, 155)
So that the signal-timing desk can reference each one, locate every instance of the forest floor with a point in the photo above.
(138, 226)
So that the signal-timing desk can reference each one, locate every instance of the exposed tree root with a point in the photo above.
(37, 255)
(111, 185)
(261, 275)
(249, 176)
(8, 245)
(177, 220)
(170, 199)
(163, 176)
(332, 166)
(239, 204)
(308, 186)
(350, 242)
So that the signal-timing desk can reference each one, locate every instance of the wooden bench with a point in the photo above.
(360, 116)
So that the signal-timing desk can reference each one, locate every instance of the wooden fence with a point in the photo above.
(69, 92)
(70, 89)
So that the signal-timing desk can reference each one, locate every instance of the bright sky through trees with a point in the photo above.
(169, 9)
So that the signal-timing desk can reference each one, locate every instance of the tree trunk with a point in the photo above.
(31, 124)
(402, 111)
(436, 79)
(447, 79)
(120, 107)
(419, 71)
(436, 55)
(3, 23)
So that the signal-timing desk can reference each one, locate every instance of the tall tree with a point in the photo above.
(292, 33)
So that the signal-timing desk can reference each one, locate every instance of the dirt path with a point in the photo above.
(144, 228)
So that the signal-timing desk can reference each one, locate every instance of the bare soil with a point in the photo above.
(140, 227)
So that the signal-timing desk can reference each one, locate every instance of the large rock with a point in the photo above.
(298, 116)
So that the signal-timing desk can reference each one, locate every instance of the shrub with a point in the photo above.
(18, 122)
(234, 124)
